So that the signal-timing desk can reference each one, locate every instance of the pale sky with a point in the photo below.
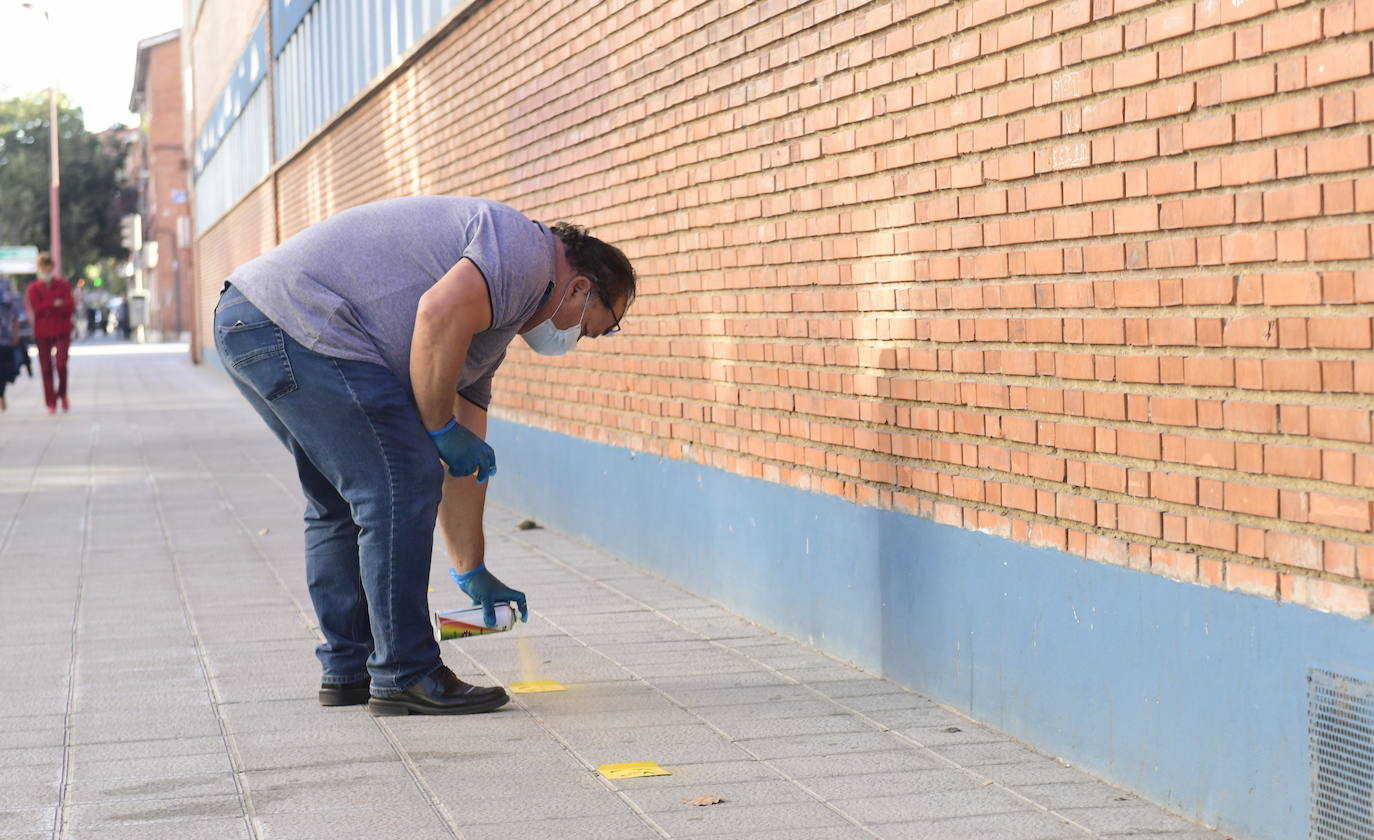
(92, 49)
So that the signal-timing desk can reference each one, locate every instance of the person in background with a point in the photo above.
(9, 337)
(89, 308)
(51, 306)
(22, 342)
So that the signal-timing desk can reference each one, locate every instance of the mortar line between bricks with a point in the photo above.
(569, 748)
(986, 781)
(436, 804)
(60, 818)
(245, 796)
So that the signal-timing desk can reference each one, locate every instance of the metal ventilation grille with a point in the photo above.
(1340, 712)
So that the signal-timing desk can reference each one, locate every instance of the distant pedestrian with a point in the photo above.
(21, 346)
(10, 307)
(50, 308)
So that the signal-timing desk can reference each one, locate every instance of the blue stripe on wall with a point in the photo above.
(1193, 697)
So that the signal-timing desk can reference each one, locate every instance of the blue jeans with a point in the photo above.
(372, 482)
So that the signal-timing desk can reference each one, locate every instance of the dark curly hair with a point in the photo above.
(605, 265)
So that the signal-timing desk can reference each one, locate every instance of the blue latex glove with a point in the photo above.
(483, 588)
(464, 452)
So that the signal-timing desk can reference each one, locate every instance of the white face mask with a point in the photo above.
(548, 340)
(45, 275)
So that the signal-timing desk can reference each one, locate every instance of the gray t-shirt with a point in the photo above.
(348, 287)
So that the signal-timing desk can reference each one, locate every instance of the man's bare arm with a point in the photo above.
(460, 511)
(448, 316)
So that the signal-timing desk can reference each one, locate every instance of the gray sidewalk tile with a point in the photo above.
(1023, 825)
(24, 756)
(155, 748)
(545, 806)
(26, 738)
(135, 811)
(601, 827)
(27, 820)
(892, 758)
(730, 820)
(828, 745)
(316, 795)
(270, 758)
(33, 723)
(652, 799)
(194, 704)
(131, 767)
(22, 795)
(1035, 771)
(955, 735)
(210, 829)
(892, 783)
(984, 753)
(171, 787)
(1126, 819)
(745, 728)
(371, 823)
(1083, 794)
(838, 832)
(933, 805)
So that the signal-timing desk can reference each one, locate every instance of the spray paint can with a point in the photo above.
(459, 624)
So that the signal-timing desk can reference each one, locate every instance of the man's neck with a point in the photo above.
(562, 275)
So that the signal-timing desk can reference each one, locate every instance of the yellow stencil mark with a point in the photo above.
(632, 770)
(536, 686)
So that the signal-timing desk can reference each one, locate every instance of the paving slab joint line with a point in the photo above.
(543, 724)
(60, 818)
(984, 780)
(418, 777)
(230, 743)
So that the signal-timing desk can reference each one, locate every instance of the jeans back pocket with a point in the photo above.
(256, 354)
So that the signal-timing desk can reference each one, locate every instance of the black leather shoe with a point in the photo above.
(440, 693)
(345, 694)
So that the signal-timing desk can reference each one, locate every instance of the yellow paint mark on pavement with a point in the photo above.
(536, 686)
(632, 770)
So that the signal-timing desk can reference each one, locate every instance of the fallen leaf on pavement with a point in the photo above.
(703, 800)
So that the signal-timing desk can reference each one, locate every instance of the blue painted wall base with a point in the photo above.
(1193, 697)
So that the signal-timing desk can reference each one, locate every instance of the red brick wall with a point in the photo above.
(172, 309)
(1093, 275)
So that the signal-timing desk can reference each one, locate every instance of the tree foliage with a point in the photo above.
(93, 192)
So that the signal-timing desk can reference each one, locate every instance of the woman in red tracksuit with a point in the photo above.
(50, 307)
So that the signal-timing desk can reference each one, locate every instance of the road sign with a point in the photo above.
(18, 259)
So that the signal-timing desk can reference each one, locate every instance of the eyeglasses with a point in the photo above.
(615, 326)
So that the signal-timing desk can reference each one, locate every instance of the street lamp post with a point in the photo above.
(54, 188)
